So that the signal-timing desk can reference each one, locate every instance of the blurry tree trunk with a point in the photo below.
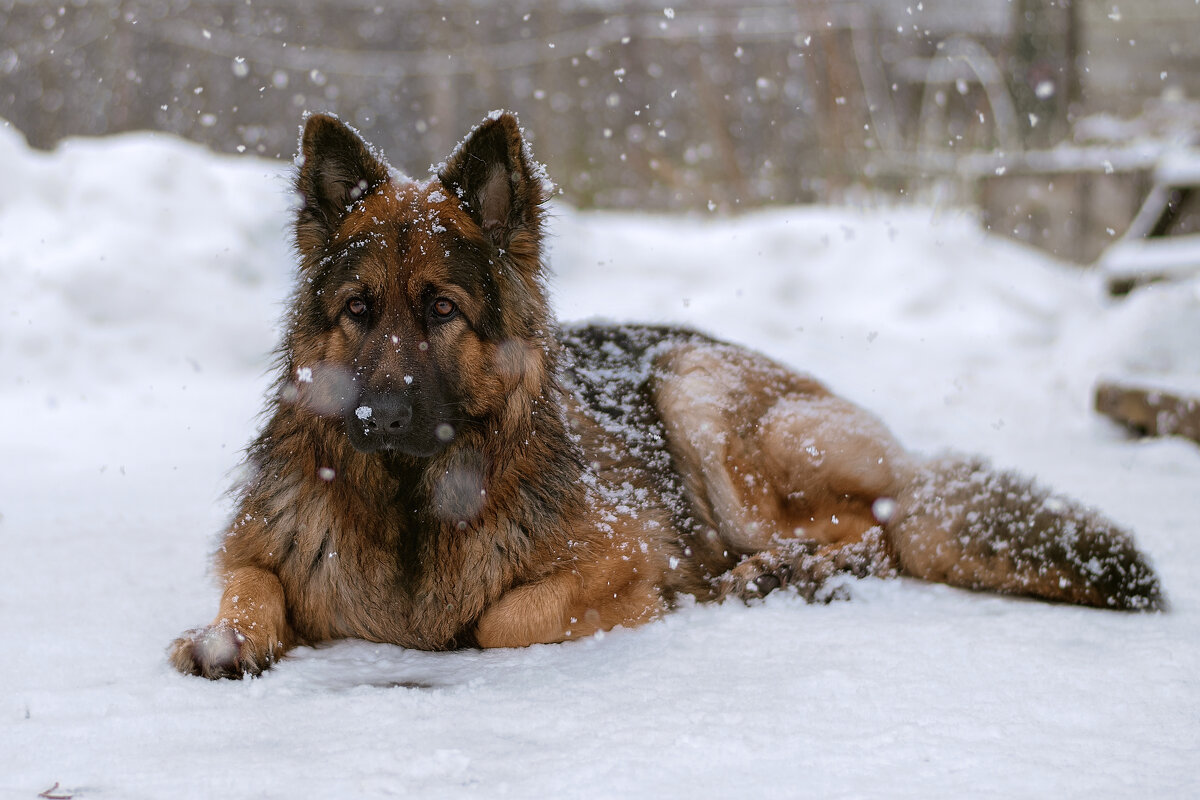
(712, 107)
(837, 81)
(1042, 70)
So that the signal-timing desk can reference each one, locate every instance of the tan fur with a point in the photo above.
(617, 585)
(778, 456)
(478, 477)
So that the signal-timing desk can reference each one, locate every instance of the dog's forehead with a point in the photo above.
(408, 228)
(421, 211)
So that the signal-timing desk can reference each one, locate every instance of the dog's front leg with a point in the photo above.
(250, 632)
(532, 613)
(571, 605)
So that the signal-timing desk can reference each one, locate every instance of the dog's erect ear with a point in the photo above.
(337, 169)
(500, 185)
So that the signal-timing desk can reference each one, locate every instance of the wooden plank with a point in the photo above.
(1150, 411)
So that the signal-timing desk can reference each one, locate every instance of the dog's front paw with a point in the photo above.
(216, 651)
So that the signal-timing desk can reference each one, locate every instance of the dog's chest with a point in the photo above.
(388, 579)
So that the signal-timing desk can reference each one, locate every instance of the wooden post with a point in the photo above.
(1148, 411)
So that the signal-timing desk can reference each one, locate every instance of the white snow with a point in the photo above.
(141, 282)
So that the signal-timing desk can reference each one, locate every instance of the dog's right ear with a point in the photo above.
(337, 168)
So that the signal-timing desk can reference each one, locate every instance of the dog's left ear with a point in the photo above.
(500, 185)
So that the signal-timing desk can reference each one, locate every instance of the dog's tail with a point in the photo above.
(962, 523)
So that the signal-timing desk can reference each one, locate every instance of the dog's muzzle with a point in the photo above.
(389, 421)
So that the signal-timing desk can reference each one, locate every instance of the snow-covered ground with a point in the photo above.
(141, 280)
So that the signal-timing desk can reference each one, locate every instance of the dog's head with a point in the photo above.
(421, 307)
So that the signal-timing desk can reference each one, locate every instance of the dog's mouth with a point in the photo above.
(416, 438)
(416, 449)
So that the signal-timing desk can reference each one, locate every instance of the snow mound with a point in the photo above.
(139, 253)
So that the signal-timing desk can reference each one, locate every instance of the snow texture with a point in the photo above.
(140, 288)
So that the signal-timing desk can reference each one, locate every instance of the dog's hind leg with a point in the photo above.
(250, 631)
(788, 474)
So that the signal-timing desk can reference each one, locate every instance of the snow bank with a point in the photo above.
(141, 283)
(138, 252)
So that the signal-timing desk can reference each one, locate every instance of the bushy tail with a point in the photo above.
(962, 523)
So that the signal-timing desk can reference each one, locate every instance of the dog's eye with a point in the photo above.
(356, 306)
(443, 308)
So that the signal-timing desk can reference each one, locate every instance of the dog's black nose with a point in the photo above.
(386, 414)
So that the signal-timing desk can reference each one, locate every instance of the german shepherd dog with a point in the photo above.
(443, 466)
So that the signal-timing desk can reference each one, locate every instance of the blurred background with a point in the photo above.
(1050, 115)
